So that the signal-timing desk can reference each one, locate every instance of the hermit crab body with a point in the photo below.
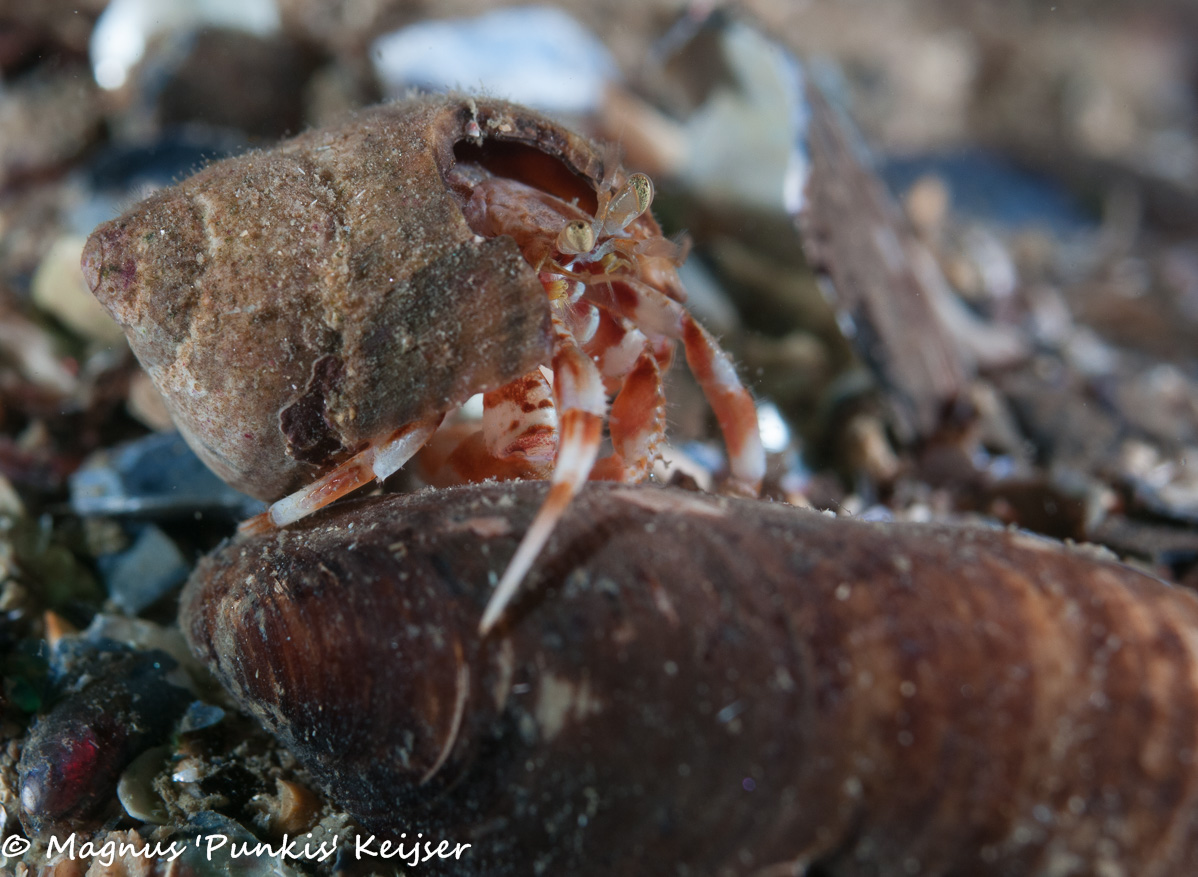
(312, 313)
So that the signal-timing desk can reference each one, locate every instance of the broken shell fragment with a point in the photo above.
(715, 686)
(293, 810)
(135, 790)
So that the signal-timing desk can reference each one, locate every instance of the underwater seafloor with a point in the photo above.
(952, 248)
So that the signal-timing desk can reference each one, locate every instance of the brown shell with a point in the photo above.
(292, 305)
(712, 686)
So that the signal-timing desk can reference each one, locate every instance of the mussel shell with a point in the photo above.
(120, 704)
(712, 686)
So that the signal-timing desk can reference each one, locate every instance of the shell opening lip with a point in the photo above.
(527, 164)
(92, 262)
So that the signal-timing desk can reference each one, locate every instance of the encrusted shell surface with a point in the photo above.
(713, 686)
(293, 305)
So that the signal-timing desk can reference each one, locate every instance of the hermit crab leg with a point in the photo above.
(636, 423)
(581, 402)
(656, 313)
(377, 461)
(732, 404)
(615, 347)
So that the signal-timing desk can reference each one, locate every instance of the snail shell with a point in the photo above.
(714, 686)
(294, 305)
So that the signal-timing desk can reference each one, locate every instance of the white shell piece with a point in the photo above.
(126, 27)
(533, 55)
(750, 134)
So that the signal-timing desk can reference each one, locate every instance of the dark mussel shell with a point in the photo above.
(713, 686)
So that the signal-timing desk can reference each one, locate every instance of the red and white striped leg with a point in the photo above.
(615, 347)
(732, 404)
(377, 461)
(657, 314)
(637, 424)
(581, 401)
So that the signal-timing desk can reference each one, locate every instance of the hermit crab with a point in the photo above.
(314, 312)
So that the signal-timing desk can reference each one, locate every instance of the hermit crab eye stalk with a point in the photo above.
(575, 238)
(633, 199)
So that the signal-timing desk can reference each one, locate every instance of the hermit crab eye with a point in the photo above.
(576, 237)
(631, 201)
